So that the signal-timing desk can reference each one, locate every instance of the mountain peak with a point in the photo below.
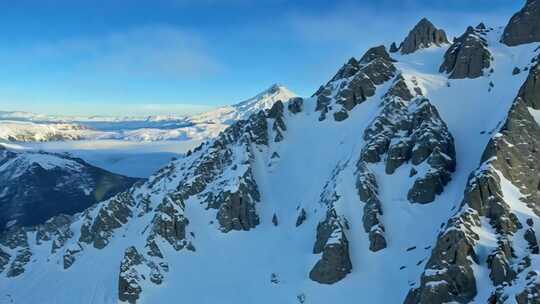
(242, 110)
(267, 97)
(423, 35)
(275, 87)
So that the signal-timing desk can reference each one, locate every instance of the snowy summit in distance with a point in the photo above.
(28, 127)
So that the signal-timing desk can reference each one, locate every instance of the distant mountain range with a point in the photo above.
(35, 186)
(412, 176)
(22, 126)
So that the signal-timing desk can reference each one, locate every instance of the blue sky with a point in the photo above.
(134, 57)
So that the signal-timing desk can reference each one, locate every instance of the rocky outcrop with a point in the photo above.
(423, 35)
(302, 217)
(276, 113)
(135, 270)
(468, 56)
(393, 48)
(16, 242)
(354, 83)
(99, 228)
(236, 209)
(530, 237)
(515, 151)
(169, 223)
(411, 132)
(531, 292)
(367, 187)
(331, 241)
(513, 155)
(295, 105)
(17, 267)
(448, 276)
(524, 26)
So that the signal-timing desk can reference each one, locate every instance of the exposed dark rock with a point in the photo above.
(516, 71)
(468, 56)
(331, 241)
(530, 90)
(276, 113)
(236, 210)
(400, 89)
(411, 132)
(398, 153)
(112, 215)
(4, 259)
(530, 237)
(520, 143)
(275, 220)
(135, 270)
(274, 278)
(377, 52)
(18, 265)
(376, 240)
(341, 115)
(393, 48)
(423, 35)
(129, 287)
(276, 110)
(295, 105)
(355, 82)
(301, 217)
(425, 189)
(367, 187)
(524, 26)
(449, 276)
(500, 268)
(170, 223)
(484, 195)
(70, 255)
(531, 292)
(517, 141)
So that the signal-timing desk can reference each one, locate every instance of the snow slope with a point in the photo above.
(215, 247)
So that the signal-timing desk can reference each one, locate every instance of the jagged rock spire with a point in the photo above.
(423, 35)
(357, 81)
(524, 26)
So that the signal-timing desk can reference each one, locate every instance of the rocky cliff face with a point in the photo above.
(423, 35)
(468, 56)
(391, 175)
(523, 27)
(511, 157)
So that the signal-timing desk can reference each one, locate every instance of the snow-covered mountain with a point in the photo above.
(36, 186)
(21, 126)
(410, 177)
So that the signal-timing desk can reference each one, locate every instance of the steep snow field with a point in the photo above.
(237, 267)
